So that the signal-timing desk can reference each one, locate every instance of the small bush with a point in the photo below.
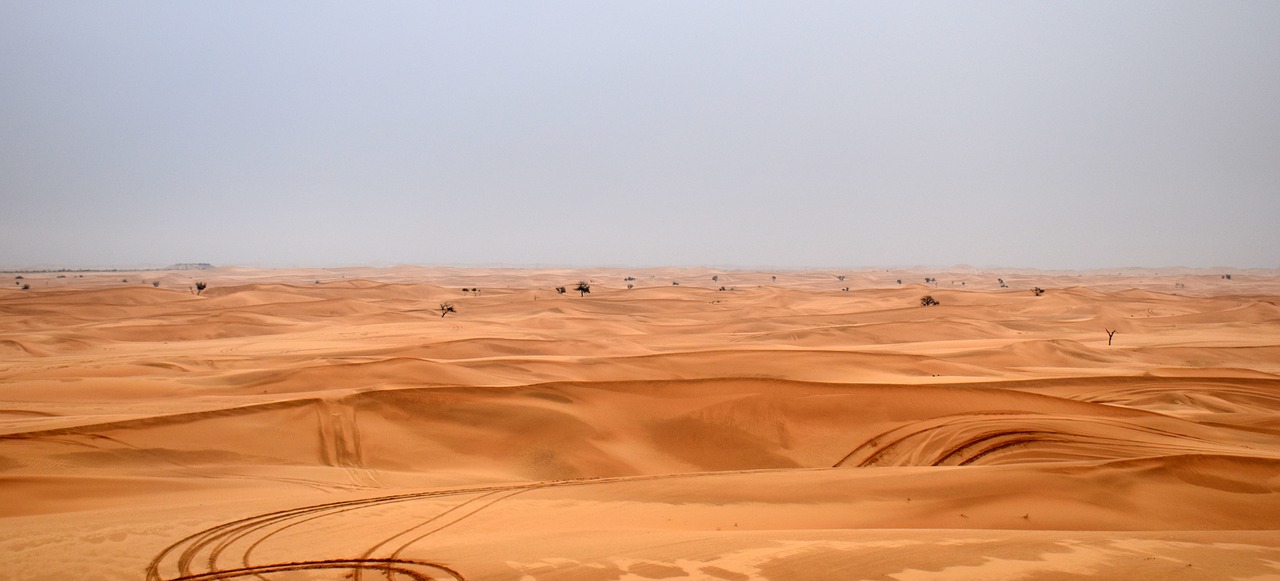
(928, 301)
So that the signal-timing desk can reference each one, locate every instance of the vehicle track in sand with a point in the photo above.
(965, 439)
(200, 556)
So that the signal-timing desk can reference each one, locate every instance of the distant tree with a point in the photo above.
(899, 281)
(630, 286)
(446, 308)
(26, 287)
(124, 280)
(155, 283)
(583, 288)
(928, 301)
(1039, 291)
(1110, 334)
(845, 289)
(675, 283)
(200, 286)
(775, 278)
(721, 289)
(840, 278)
(560, 290)
(629, 279)
(715, 278)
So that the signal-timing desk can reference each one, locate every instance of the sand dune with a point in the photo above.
(331, 424)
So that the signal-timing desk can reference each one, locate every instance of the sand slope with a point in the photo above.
(332, 425)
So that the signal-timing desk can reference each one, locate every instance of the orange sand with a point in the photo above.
(330, 424)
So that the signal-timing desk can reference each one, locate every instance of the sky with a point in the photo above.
(1056, 135)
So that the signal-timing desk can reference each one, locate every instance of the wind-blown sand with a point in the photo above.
(308, 424)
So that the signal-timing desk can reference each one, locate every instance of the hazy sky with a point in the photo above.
(1031, 134)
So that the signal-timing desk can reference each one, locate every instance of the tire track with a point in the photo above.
(208, 546)
(965, 439)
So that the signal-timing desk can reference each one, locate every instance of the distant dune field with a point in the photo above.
(331, 424)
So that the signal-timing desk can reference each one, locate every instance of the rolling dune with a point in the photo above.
(331, 424)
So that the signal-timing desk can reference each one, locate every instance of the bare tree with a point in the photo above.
(446, 308)
(583, 288)
(200, 286)
(1110, 335)
(928, 301)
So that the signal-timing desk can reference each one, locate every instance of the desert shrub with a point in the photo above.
(583, 288)
(928, 301)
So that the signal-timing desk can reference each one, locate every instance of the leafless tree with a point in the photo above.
(583, 288)
(446, 308)
(1110, 335)
(1039, 291)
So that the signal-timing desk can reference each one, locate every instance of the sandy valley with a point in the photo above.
(331, 424)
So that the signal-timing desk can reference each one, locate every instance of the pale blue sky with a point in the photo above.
(1019, 134)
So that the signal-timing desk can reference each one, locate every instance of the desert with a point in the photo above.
(292, 424)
